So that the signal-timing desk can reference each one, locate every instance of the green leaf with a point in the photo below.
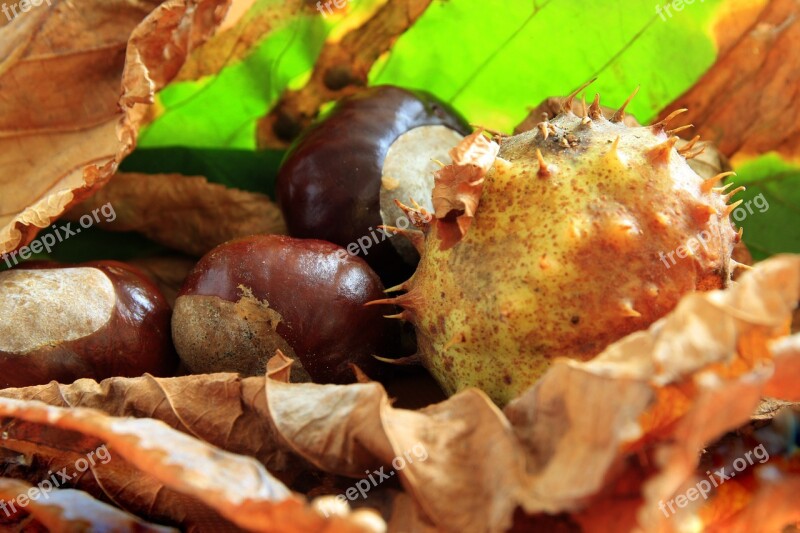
(493, 63)
(770, 206)
(221, 112)
(242, 169)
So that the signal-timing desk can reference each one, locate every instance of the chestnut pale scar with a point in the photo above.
(48, 307)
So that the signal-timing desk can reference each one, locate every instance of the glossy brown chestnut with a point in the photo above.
(334, 183)
(251, 296)
(95, 320)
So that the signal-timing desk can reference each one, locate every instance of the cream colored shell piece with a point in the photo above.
(44, 307)
(408, 174)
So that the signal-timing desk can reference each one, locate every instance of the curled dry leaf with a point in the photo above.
(458, 186)
(757, 497)
(239, 421)
(604, 440)
(769, 407)
(202, 486)
(767, 503)
(560, 451)
(741, 103)
(341, 69)
(187, 214)
(89, 74)
(787, 370)
(241, 30)
(62, 511)
(772, 507)
(369, 518)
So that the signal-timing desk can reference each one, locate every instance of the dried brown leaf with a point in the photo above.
(457, 189)
(241, 30)
(458, 186)
(733, 19)
(756, 497)
(772, 508)
(769, 407)
(43, 451)
(221, 409)
(341, 69)
(66, 510)
(147, 451)
(743, 104)
(187, 214)
(564, 453)
(655, 399)
(66, 64)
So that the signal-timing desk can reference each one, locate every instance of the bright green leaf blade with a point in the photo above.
(770, 209)
(221, 112)
(494, 63)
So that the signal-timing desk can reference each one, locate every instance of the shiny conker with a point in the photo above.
(94, 320)
(250, 297)
(339, 180)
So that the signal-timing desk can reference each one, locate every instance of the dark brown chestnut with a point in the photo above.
(251, 296)
(340, 178)
(95, 320)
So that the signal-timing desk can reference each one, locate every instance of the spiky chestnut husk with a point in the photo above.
(564, 254)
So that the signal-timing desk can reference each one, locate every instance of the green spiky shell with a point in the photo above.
(564, 255)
